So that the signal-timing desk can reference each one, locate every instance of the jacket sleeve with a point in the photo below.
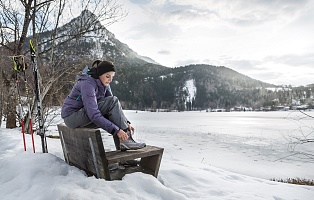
(91, 107)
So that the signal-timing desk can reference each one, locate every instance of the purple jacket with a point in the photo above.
(85, 93)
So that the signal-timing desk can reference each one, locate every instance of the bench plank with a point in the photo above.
(83, 148)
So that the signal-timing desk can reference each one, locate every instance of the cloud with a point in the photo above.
(141, 2)
(243, 65)
(164, 52)
(243, 12)
(192, 15)
(293, 59)
(270, 40)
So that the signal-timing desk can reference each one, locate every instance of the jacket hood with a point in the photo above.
(84, 76)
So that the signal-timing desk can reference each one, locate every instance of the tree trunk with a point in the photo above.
(11, 106)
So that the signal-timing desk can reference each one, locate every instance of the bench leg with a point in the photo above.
(94, 157)
(152, 163)
(65, 152)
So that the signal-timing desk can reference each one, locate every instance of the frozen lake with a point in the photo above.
(229, 139)
(246, 124)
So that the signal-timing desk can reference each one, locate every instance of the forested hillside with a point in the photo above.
(213, 87)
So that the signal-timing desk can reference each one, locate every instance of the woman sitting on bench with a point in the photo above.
(91, 104)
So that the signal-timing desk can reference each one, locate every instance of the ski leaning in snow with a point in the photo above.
(37, 91)
(18, 66)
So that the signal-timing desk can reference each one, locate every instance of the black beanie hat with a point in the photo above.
(100, 67)
(104, 66)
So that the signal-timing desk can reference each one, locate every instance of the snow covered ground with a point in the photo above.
(207, 156)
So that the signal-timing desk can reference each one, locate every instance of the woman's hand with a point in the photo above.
(131, 128)
(122, 135)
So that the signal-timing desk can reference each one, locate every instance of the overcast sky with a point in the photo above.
(269, 40)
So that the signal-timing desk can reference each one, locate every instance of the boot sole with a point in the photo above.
(123, 147)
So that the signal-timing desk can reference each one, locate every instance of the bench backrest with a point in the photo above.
(83, 148)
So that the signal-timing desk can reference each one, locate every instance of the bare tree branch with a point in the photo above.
(301, 136)
(305, 114)
(46, 15)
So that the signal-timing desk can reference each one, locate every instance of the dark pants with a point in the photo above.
(109, 107)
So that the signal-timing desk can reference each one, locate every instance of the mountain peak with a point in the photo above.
(88, 39)
(86, 20)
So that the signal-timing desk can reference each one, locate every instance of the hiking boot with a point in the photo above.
(130, 144)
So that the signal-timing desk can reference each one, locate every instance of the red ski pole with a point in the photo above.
(23, 133)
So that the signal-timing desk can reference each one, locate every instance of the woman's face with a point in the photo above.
(106, 78)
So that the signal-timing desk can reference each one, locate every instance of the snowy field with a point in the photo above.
(207, 156)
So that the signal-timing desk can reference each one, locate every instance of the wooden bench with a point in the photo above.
(83, 148)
